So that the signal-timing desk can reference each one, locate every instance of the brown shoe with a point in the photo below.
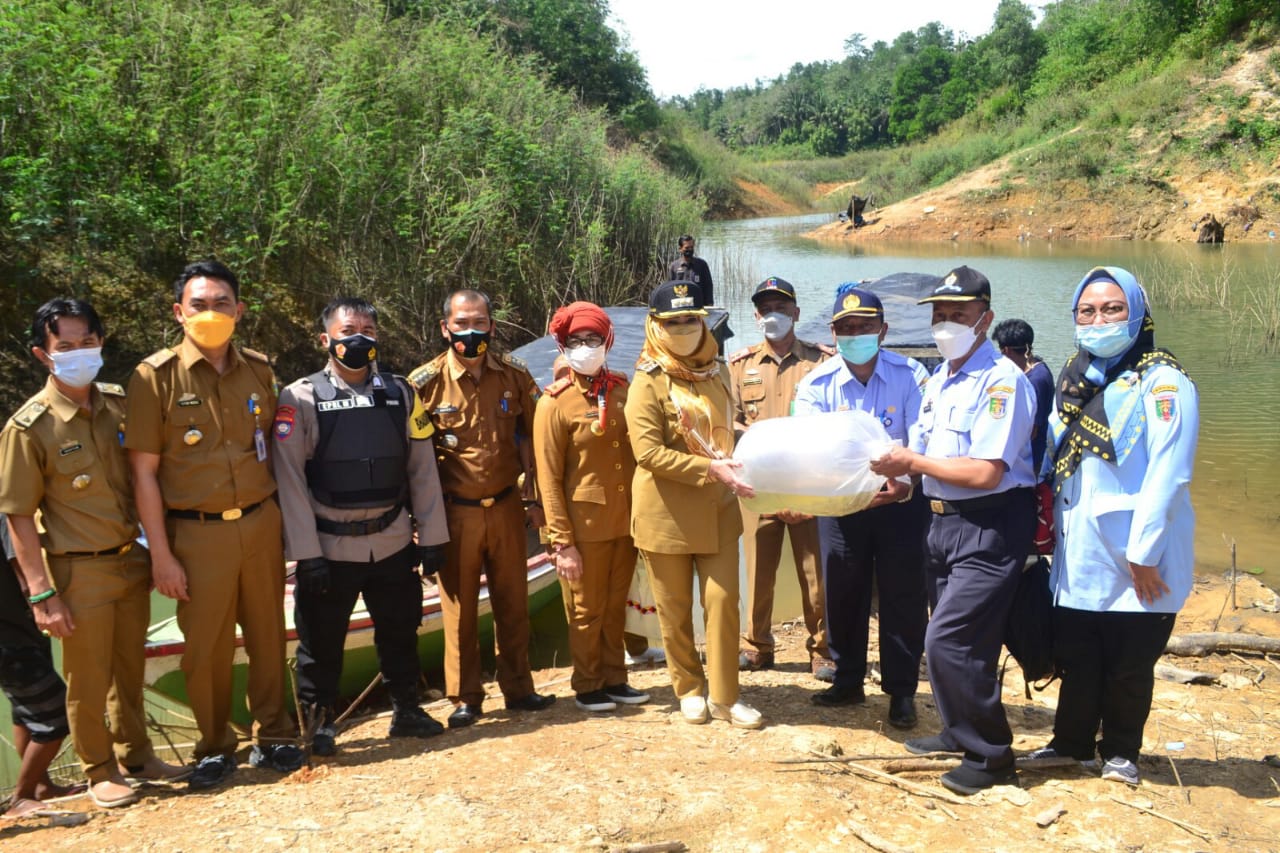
(823, 669)
(753, 660)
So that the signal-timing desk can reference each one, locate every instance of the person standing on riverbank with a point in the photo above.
(764, 379)
(198, 416)
(882, 546)
(972, 450)
(689, 267)
(61, 455)
(585, 467)
(1124, 437)
(1014, 339)
(357, 474)
(481, 405)
(684, 516)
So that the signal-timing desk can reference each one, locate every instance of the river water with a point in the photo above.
(1212, 306)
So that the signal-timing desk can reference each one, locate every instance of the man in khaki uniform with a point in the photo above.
(764, 379)
(61, 455)
(357, 473)
(482, 406)
(198, 445)
(585, 467)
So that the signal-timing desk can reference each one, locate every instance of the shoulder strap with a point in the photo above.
(160, 358)
(30, 413)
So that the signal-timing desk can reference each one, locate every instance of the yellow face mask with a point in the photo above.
(209, 329)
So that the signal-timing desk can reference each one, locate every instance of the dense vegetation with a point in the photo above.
(397, 151)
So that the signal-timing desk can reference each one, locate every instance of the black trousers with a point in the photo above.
(974, 561)
(392, 593)
(885, 547)
(1108, 673)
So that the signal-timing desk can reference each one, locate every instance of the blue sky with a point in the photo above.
(718, 44)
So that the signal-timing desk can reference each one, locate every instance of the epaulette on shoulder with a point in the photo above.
(30, 413)
(558, 387)
(421, 376)
(159, 358)
(518, 363)
(738, 356)
(255, 355)
(647, 366)
(110, 388)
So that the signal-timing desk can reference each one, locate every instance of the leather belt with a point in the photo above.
(226, 515)
(109, 552)
(484, 502)
(941, 507)
(368, 527)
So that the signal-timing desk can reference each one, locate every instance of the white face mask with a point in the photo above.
(585, 360)
(954, 340)
(78, 367)
(775, 325)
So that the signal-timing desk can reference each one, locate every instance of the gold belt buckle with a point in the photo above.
(937, 507)
(232, 514)
(487, 502)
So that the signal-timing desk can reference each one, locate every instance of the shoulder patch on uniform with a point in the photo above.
(255, 355)
(514, 361)
(110, 388)
(558, 387)
(738, 356)
(159, 358)
(647, 366)
(420, 376)
(1165, 389)
(30, 413)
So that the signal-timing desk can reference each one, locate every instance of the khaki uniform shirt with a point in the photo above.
(765, 385)
(676, 509)
(296, 433)
(203, 424)
(478, 422)
(68, 463)
(584, 479)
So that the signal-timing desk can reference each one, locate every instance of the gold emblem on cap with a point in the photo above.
(192, 437)
(81, 482)
(680, 290)
(950, 279)
(851, 302)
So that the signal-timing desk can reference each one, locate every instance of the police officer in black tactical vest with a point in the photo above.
(356, 472)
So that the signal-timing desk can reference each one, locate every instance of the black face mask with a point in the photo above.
(469, 344)
(688, 253)
(354, 351)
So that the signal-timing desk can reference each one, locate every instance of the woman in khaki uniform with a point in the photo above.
(585, 467)
(684, 517)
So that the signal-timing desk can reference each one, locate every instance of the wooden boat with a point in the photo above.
(165, 643)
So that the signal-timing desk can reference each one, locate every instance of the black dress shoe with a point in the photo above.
(839, 694)
(464, 715)
(532, 702)
(902, 712)
(970, 780)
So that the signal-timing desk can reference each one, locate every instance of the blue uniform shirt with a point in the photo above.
(1136, 509)
(985, 411)
(892, 393)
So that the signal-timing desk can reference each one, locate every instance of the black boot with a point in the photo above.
(325, 734)
(408, 720)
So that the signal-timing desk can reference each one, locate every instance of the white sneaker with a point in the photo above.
(693, 709)
(649, 655)
(1119, 769)
(739, 714)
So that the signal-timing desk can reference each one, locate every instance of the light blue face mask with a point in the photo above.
(1105, 340)
(78, 367)
(858, 349)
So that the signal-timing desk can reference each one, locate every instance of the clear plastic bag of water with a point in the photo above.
(816, 464)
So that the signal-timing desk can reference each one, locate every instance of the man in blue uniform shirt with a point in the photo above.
(972, 448)
(884, 542)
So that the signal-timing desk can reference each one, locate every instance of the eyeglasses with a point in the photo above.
(587, 341)
(1111, 311)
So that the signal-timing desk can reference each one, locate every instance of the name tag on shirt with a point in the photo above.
(360, 402)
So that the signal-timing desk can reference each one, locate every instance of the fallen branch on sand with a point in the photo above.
(1199, 645)
(1194, 830)
(1178, 675)
(871, 774)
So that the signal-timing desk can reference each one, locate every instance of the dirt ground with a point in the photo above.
(811, 779)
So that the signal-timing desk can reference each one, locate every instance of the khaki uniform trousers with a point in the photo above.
(762, 546)
(672, 577)
(488, 541)
(595, 606)
(103, 659)
(235, 574)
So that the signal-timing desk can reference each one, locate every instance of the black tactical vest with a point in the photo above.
(362, 453)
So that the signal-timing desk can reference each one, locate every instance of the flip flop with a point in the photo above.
(123, 800)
